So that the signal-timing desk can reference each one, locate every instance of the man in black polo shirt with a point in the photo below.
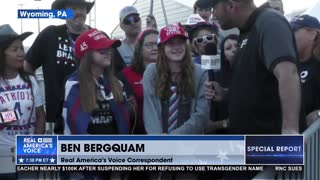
(265, 94)
(307, 33)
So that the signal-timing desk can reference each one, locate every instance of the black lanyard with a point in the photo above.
(72, 44)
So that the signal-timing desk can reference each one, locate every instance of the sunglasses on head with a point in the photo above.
(131, 20)
(207, 38)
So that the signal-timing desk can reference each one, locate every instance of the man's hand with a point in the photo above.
(151, 22)
(213, 91)
(289, 131)
(312, 117)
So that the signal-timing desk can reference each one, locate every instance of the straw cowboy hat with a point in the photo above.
(7, 34)
(62, 4)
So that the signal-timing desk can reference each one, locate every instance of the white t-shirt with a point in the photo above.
(126, 53)
(16, 94)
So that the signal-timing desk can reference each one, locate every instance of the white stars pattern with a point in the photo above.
(222, 156)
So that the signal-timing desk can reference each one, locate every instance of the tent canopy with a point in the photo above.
(314, 10)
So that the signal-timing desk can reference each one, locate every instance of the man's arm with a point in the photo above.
(38, 52)
(40, 120)
(290, 95)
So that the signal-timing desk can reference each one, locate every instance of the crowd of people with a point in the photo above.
(152, 82)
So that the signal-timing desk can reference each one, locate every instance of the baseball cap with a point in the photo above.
(62, 4)
(203, 4)
(215, 2)
(194, 19)
(93, 39)
(170, 31)
(303, 21)
(196, 22)
(126, 11)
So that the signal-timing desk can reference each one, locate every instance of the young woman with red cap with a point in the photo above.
(95, 102)
(174, 101)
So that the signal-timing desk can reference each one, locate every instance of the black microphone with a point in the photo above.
(211, 50)
(211, 61)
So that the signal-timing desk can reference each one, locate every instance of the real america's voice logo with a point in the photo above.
(45, 13)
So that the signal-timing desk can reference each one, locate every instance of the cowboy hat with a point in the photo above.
(62, 4)
(7, 34)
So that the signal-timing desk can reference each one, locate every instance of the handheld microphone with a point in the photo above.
(211, 61)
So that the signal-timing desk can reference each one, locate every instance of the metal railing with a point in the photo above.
(311, 159)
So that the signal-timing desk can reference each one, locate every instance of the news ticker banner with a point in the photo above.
(45, 14)
(159, 150)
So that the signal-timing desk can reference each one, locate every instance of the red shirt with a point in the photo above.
(135, 80)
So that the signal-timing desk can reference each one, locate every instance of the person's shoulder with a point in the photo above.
(151, 67)
(150, 71)
(122, 44)
(198, 70)
(74, 77)
(127, 70)
(270, 16)
(52, 28)
(199, 73)
(32, 78)
(316, 65)
(72, 83)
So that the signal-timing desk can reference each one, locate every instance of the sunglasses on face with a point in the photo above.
(207, 38)
(131, 20)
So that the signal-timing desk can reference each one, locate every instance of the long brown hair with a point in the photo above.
(185, 85)
(88, 87)
(137, 63)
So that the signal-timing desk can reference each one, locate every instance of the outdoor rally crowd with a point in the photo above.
(152, 82)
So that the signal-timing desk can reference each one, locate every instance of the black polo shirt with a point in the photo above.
(254, 101)
(310, 80)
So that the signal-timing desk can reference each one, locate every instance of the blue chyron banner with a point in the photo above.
(159, 150)
(274, 150)
(36, 150)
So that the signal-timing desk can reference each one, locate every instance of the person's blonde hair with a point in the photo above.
(186, 84)
(88, 87)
